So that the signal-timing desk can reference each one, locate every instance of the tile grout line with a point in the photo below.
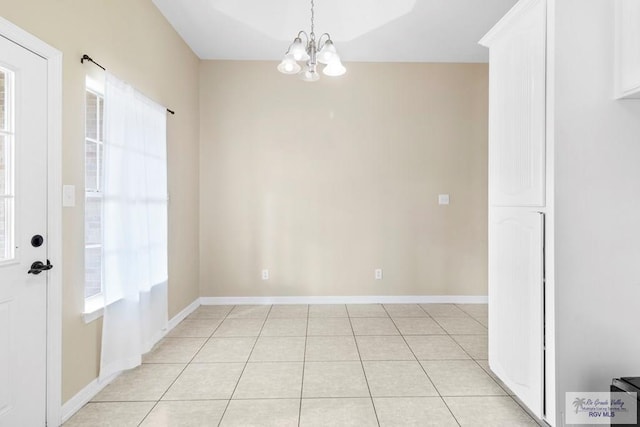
(410, 349)
(469, 315)
(475, 317)
(425, 371)
(474, 360)
(364, 373)
(304, 361)
(450, 335)
(491, 375)
(185, 366)
(469, 354)
(245, 366)
(525, 410)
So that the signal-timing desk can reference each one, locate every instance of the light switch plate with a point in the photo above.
(443, 199)
(68, 196)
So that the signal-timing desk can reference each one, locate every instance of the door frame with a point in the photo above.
(54, 209)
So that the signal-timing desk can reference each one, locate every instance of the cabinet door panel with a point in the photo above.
(517, 112)
(516, 239)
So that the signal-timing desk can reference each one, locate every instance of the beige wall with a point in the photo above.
(322, 183)
(135, 42)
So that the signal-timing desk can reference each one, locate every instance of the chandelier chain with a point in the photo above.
(312, 17)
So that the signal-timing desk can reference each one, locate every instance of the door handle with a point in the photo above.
(38, 267)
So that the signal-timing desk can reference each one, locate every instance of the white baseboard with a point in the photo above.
(183, 314)
(85, 395)
(74, 404)
(385, 299)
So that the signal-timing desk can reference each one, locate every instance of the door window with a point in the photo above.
(7, 192)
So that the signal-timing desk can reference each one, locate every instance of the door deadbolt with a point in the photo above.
(37, 241)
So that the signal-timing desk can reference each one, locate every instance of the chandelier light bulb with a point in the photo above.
(334, 68)
(289, 65)
(310, 75)
(298, 50)
(327, 53)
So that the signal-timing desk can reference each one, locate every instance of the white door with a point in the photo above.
(515, 302)
(23, 236)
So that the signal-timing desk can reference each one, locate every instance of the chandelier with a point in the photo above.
(312, 53)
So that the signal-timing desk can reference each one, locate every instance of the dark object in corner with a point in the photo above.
(627, 385)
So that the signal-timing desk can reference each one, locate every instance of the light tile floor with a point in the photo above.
(317, 365)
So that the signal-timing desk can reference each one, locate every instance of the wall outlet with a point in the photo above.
(378, 274)
(443, 199)
(265, 274)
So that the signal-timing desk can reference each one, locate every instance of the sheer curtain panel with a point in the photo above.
(134, 227)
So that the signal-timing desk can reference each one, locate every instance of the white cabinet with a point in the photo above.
(553, 295)
(516, 301)
(517, 109)
(627, 70)
(517, 199)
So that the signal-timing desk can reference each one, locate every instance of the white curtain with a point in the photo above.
(134, 227)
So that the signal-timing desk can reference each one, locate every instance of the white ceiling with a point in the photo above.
(363, 30)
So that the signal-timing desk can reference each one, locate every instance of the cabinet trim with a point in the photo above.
(632, 90)
(506, 21)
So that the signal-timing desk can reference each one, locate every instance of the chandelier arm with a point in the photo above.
(303, 33)
(321, 43)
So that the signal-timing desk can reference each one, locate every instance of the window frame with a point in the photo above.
(93, 304)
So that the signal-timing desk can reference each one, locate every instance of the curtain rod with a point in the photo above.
(86, 57)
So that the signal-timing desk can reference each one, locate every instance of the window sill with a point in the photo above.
(93, 308)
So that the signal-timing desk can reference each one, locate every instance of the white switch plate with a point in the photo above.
(68, 196)
(443, 199)
(378, 274)
(265, 274)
